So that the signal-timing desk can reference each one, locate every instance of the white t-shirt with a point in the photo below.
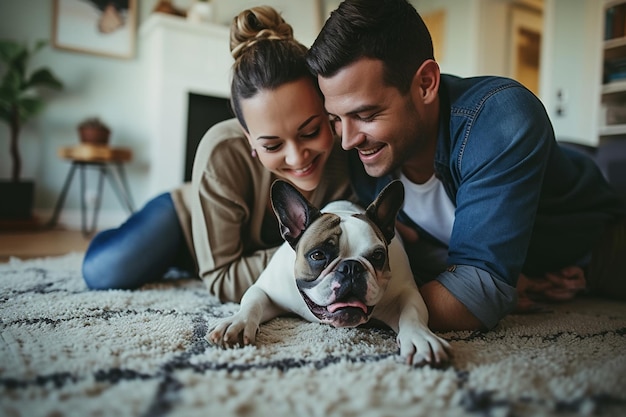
(429, 206)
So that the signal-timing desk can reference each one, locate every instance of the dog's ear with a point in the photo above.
(384, 209)
(294, 212)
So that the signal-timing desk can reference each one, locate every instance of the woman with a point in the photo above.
(221, 226)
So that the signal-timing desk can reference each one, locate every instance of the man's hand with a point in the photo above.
(559, 286)
(445, 312)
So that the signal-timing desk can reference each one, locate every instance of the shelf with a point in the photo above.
(614, 87)
(158, 21)
(614, 48)
(612, 130)
(611, 3)
(613, 92)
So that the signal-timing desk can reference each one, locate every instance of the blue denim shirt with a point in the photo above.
(523, 203)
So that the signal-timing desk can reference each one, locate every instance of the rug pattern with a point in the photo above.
(68, 351)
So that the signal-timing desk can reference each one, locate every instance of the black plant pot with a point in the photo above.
(16, 199)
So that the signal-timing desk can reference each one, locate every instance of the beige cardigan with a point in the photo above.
(226, 213)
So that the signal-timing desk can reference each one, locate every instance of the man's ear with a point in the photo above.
(426, 81)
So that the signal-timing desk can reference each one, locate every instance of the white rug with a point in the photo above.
(67, 351)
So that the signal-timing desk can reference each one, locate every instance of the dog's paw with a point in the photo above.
(234, 331)
(422, 347)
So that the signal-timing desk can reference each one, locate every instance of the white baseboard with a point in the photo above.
(71, 219)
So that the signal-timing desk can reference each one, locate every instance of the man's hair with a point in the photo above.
(388, 30)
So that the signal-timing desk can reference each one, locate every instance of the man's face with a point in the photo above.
(385, 126)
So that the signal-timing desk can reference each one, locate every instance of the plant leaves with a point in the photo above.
(9, 50)
(29, 106)
(11, 86)
(43, 77)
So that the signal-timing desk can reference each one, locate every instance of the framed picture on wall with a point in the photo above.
(99, 27)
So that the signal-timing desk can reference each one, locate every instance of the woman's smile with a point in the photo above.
(306, 170)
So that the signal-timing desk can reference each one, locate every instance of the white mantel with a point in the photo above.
(179, 57)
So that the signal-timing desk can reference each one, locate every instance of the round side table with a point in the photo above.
(109, 161)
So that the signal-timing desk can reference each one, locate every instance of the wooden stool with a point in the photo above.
(101, 157)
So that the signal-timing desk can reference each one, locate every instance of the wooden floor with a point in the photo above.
(38, 243)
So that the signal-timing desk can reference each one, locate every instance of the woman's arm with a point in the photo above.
(229, 202)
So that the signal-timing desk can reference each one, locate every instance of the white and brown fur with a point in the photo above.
(340, 266)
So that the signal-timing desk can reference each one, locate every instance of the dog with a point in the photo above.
(336, 267)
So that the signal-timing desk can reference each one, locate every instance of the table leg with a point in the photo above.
(122, 173)
(83, 202)
(120, 186)
(96, 209)
(118, 182)
(59, 205)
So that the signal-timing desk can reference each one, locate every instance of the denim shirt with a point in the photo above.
(523, 203)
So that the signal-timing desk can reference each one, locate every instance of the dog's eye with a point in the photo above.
(378, 257)
(317, 255)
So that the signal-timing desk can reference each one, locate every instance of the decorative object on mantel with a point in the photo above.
(166, 6)
(19, 102)
(93, 131)
(200, 11)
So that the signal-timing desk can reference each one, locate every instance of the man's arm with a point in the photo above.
(446, 313)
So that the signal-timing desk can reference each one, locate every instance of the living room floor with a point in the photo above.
(40, 243)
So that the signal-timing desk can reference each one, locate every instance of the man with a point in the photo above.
(490, 194)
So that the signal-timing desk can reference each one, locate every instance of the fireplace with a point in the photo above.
(187, 75)
(202, 113)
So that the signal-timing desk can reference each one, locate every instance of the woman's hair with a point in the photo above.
(388, 30)
(266, 55)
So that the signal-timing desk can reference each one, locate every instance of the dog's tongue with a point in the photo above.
(343, 304)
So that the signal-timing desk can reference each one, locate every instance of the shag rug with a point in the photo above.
(68, 351)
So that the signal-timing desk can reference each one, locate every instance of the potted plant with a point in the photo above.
(19, 102)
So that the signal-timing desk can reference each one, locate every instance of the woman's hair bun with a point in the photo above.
(255, 24)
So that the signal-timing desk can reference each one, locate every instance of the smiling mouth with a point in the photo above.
(304, 171)
(348, 312)
(369, 152)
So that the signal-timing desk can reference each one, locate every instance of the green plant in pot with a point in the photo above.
(19, 102)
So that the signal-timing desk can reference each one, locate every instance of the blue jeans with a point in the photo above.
(141, 250)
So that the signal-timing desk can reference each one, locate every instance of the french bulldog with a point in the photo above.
(340, 266)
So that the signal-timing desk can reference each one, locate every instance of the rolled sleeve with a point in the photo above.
(486, 297)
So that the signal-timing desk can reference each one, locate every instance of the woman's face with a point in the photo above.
(290, 132)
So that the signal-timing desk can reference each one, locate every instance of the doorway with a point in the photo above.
(525, 38)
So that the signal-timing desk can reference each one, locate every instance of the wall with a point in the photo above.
(460, 52)
(94, 86)
(476, 39)
(113, 89)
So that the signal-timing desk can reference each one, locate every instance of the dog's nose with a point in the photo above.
(351, 280)
(351, 268)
